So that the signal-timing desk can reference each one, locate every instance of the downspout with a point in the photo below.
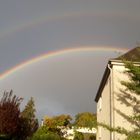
(111, 102)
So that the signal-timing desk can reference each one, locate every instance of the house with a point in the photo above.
(110, 98)
(69, 133)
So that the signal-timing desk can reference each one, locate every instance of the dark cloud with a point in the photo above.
(29, 28)
(61, 84)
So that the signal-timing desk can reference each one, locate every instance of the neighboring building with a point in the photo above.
(110, 104)
(70, 132)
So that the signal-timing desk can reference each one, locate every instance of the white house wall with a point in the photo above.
(120, 107)
(103, 112)
(112, 115)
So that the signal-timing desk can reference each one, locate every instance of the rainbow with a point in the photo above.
(38, 21)
(59, 53)
(45, 19)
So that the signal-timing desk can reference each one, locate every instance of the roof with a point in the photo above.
(132, 55)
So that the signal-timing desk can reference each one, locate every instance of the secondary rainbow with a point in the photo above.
(58, 53)
(28, 24)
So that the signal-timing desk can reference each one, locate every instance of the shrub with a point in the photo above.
(78, 136)
(45, 136)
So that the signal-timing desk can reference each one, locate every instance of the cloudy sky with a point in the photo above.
(66, 82)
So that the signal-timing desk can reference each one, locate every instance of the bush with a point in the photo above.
(47, 136)
(78, 136)
(3, 137)
(44, 134)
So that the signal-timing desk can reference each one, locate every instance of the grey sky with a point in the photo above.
(31, 27)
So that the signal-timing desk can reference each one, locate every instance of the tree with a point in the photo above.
(14, 124)
(134, 74)
(78, 136)
(129, 97)
(62, 120)
(85, 119)
(49, 122)
(134, 87)
(55, 124)
(55, 121)
(43, 134)
(9, 114)
(28, 116)
(51, 126)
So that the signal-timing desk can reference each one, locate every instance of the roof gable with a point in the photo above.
(132, 55)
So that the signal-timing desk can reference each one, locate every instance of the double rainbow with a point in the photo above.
(59, 53)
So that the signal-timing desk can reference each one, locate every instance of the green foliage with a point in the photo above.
(55, 123)
(117, 129)
(29, 110)
(133, 136)
(4, 137)
(92, 137)
(42, 130)
(89, 136)
(15, 125)
(44, 133)
(60, 120)
(85, 119)
(134, 73)
(49, 122)
(45, 136)
(26, 124)
(133, 86)
(78, 136)
(30, 124)
(128, 97)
